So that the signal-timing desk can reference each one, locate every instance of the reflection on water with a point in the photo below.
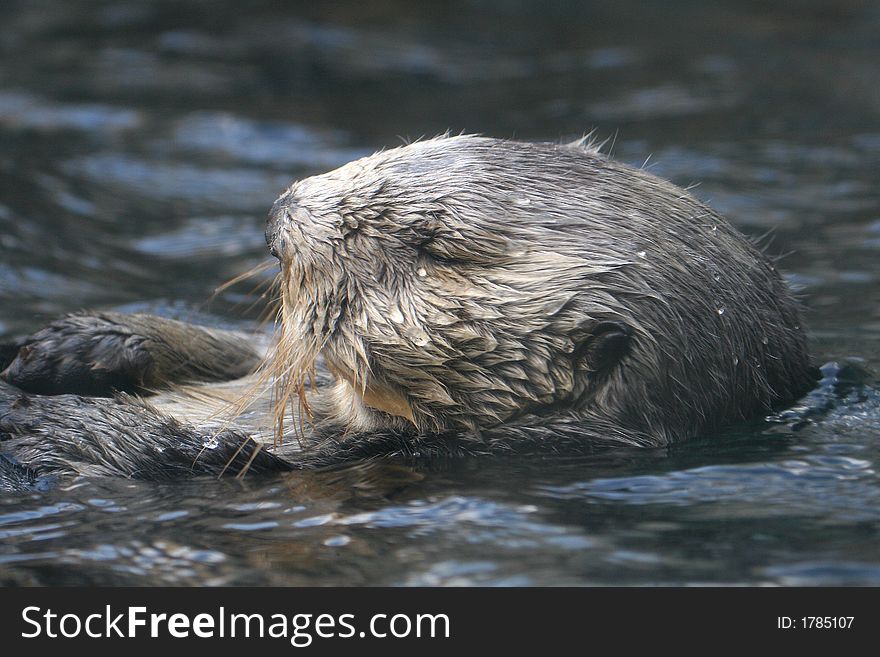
(143, 143)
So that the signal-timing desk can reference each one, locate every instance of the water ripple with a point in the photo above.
(227, 188)
(273, 143)
(816, 484)
(21, 110)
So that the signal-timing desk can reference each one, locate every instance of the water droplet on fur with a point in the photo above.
(717, 277)
(765, 340)
(642, 254)
(522, 201)
(396, 316)
(720, 311)
(735, 361)
(418, 337)
(714, 227)
(421, 272)
(211, 443)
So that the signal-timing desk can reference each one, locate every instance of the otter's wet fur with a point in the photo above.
(472, 295)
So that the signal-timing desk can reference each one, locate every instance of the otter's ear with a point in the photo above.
(605, 346)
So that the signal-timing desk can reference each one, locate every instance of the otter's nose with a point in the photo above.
(272, 237)
(274, 227)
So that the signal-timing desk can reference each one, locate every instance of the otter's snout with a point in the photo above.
(275, 229)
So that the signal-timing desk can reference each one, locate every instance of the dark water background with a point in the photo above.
(141, 144)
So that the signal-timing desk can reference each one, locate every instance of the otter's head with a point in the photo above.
(436, 282)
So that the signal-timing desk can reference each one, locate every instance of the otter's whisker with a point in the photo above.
(234, 456)
(253, 271)
(247, 465)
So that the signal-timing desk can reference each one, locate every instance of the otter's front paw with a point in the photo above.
(80, 354)
(95, 355)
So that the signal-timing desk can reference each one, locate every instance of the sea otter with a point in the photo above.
(454, 295)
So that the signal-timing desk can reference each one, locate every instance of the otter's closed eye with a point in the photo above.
(453, 245)
(439, 251)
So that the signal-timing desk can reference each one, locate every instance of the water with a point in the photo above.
(142, 143)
